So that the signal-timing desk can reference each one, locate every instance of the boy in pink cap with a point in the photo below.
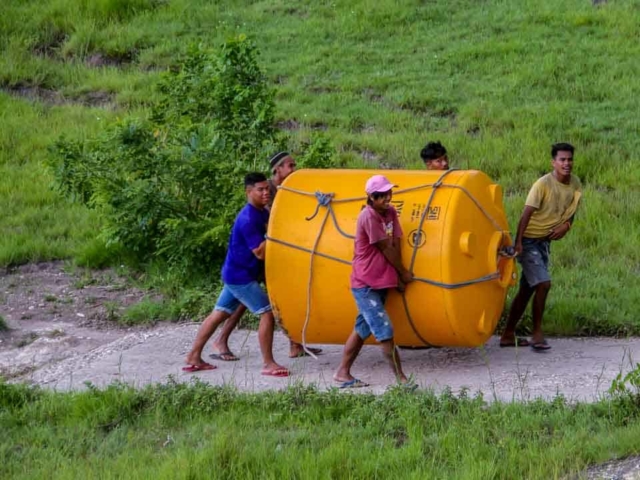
(377, 267)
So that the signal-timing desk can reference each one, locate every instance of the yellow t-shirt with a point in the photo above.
(555, 203)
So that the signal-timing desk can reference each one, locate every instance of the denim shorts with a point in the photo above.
(251, 295)
(534, 260)
(372, 316)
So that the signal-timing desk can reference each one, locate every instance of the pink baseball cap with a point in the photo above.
(378, 183)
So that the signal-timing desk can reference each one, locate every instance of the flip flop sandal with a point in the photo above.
(224, 356)
(542, 346)
(198, 368)
(278, 372)
(355, 383)
(303, 353)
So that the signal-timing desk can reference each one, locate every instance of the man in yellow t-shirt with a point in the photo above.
(548, 215)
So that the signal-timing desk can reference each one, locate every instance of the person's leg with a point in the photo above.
(221, 343)
(378, 320)
(225, 305)
(393, 357)
(265, 336)
(352, 347)
(518, 306)
(534, 261)
(351, 350)
(296, 350)
(539, 302)
(255, 299)
(541, 285)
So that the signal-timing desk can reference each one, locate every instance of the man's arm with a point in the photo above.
(561, 230)
(260, 251)
(522, 226)
(390, 248)
(254, 238)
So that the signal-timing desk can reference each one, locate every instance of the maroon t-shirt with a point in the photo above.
(370, 267)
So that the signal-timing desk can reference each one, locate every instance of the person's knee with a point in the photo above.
(525, 290)
(267, 318)
(388, 347)
(217, 317)
(543, 287)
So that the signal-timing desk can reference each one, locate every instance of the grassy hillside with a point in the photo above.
(496, 82)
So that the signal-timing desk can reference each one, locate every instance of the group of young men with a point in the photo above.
(377, 264)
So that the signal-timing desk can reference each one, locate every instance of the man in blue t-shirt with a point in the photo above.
(242, 271)
(282, 165)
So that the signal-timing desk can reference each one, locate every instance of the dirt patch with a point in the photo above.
(369, 156)
(53, 313)
(376, 160)
(281, 79)
(423, 108)
(99, 59)
(296, 12)
(416, 106)
(322, 90)
(474, 131)
(373, 95)
(294, 125)
(99, 99)
(364, 128)
(49, 46)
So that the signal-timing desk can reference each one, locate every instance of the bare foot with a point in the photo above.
(296, 351)
(220, 347)
(537, 338)
(275, 370)
(194, 360)
(343, 378)
(507, 338)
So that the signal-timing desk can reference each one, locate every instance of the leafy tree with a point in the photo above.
(169, 186)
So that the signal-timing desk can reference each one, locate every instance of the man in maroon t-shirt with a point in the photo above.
(377, 267)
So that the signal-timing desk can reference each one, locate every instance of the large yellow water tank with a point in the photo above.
(454, 230)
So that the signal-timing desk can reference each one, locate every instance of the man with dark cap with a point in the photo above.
(434, 156)
(282, 165)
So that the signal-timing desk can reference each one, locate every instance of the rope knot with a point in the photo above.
(324, 199)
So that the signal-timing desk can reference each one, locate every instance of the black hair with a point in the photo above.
(561, 147)
(375, 196)
(250, 179)
(432, 151)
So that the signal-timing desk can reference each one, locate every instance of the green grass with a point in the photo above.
(199, 431)
(4, 326)
(496, 82)
(145, 311)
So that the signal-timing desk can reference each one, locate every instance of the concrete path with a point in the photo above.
(579, 369)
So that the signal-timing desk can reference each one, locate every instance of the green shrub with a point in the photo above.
(169, 186)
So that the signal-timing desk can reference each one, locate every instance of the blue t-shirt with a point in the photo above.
(241, 266)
